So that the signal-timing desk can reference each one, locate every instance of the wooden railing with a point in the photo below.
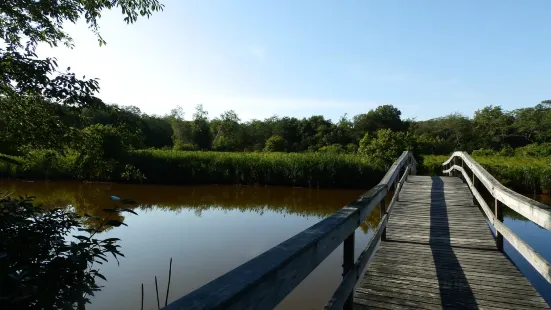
(538, 213)
(264, 281)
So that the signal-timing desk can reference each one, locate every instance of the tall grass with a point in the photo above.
(282, 169)
(40, 165)
(520, 173)
(317, 170)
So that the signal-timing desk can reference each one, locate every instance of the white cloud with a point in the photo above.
(257, 52)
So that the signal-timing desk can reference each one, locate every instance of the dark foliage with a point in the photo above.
(40, 266)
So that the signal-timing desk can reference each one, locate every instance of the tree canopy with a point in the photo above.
(29, 83)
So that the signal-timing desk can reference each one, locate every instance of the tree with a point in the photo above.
(385, 146)
(157, 132)
(181, 130)
(491, 126)
(341, 133)
(312, 130)
(227, 129)
(275, 144)
(534, 124)
(29, 123)
(27, 80)
(455, 132)
(200, 130)
(49, 272)
(101, 149)
(383, 117)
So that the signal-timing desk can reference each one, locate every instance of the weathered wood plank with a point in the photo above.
(536, 260)
(440, 254)
(520, 288)
(456, 299)
(435, 288)
(537, 212)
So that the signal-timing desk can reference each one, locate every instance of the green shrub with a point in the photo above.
(431, 164)
(507, 150)
(386, 146)
(185, 147)
(351, 148)
(333, 148)
(275, 144)
(484, 152)
(51, 271)
(534, 150)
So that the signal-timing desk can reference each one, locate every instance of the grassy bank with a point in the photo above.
(282, 169)
(316, 170)
(177, 167)
(520, 173)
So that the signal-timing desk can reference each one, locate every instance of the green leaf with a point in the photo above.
(129, 210)
(9, 160)
(111, 240)
(99, 275)
(115, 223)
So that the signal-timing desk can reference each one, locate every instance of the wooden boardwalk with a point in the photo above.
(432, 249)
(440, 254)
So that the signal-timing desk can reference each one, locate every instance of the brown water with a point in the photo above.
(206, 230)
(209, 230)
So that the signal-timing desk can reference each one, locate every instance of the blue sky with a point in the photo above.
(300, 58)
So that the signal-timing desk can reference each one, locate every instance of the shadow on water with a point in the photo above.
(454, 287)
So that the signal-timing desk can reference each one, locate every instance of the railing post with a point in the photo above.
(499, 217)
(383, 213)
(474, 186)
(453, 174)
(396, 189)
(347, 265)
(463, 167)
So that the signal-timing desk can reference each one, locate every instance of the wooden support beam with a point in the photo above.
(348, 264)
(499, 217)
(383, 213)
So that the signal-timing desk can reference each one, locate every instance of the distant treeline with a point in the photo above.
(490, 128)
(42, 140)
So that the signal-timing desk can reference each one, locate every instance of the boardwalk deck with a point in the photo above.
(440, 253)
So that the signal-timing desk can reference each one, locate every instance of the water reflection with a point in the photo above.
(538, 238)
(535, 236)
(207, 230)
(92, 197)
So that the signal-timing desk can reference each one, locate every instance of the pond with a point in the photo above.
(209, 230)
(538, 238)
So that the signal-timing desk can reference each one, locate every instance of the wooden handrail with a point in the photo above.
(264, 281)
(531, 209)
(536, 212)
(347, 285)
